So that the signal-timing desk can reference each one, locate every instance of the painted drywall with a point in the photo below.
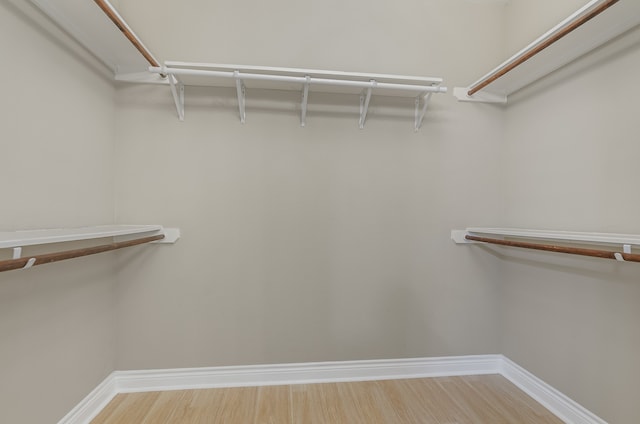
(319, 243)
(57, 129)
(571, 161)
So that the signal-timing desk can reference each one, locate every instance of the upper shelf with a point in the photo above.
(590, 27)
(243, 77)
(11, 239)
(264, 77)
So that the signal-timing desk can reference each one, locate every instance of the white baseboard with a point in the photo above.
(93, 403)
(325, 372)
(564, 408)
(305, 373)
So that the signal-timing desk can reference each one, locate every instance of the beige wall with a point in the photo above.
(57, 123)
(449, 38)
(318, 243)
(571, 161)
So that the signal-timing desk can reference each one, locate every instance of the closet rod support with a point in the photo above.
(364, 103)
(177, 91)
(29, 263)
(421, 112)
(240, 88)
(305, 100)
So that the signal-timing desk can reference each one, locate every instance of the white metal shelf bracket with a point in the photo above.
(421, 111)
(240, 88)
(177, 91)
(305, 100)
(364, 103)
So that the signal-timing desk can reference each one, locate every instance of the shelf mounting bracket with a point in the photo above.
(305, 100)
(462, 94)
(364, 103)
(177, 91)
(240, 88)
(421, 111)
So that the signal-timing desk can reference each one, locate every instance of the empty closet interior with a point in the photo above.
(233, 183)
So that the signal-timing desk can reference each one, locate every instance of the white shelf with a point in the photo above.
(12, 239)
(306, 81)
(618, 18)
(222, 75)
(563, 236)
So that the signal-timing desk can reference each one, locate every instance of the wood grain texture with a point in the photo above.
(446, 400)
(605, 254)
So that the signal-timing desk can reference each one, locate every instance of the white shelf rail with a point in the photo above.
(202, 74)
(122, 236)
(513, 237)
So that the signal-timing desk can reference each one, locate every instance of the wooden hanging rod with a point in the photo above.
(558, 249)
(122, 26)
(539, 47)
(48, 258)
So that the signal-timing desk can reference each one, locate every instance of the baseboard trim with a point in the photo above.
(563, 407)
(93, 403)
(325, 372)
(305, 373)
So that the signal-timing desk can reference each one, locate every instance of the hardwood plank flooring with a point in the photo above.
(444, 400)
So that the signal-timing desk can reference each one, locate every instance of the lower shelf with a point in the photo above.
(122, 236)
(512, 237)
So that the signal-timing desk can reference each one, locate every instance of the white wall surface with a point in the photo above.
(56, 162)
(571, 160)
(318, 243)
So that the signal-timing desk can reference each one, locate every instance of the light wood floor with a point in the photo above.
(448, 400)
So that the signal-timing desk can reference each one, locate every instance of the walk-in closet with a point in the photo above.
(421, 211)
